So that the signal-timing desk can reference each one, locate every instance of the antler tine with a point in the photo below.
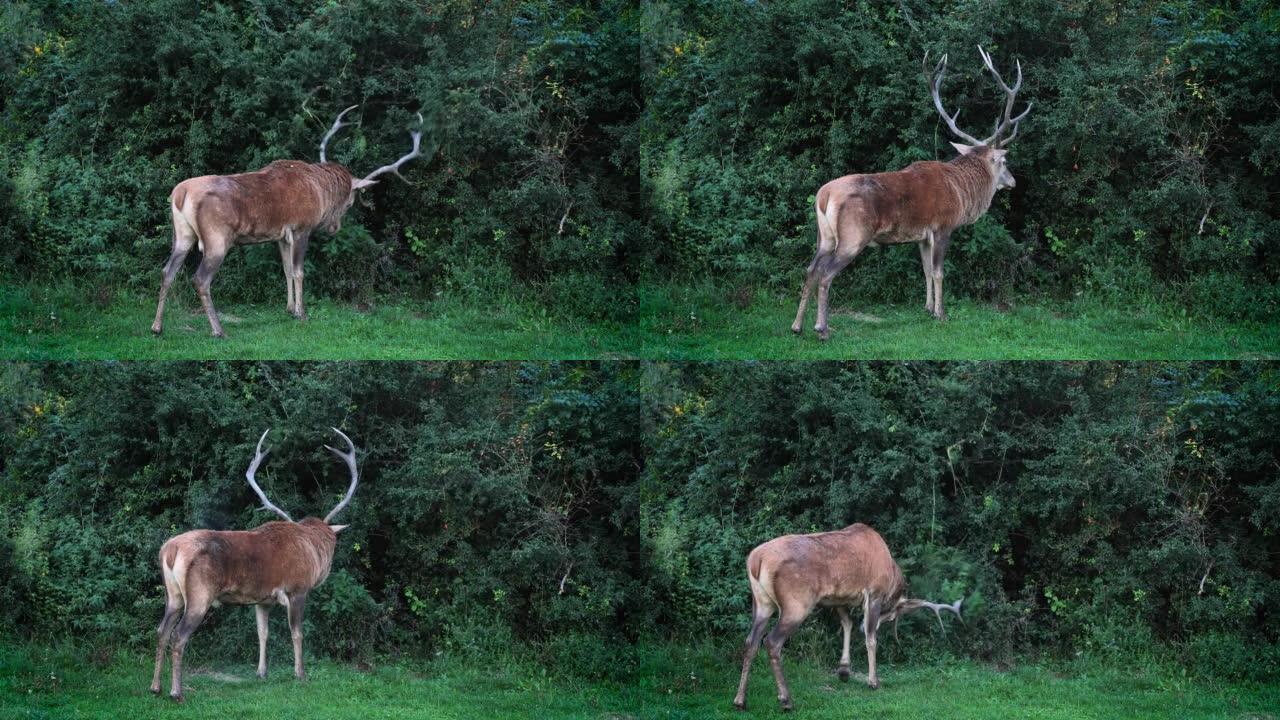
(1004, 121)
(258, 455)
(337, 124)
(349, 457)
(394, 168)
(935, 85)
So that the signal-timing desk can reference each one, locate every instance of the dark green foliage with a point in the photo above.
(526, 106)
(1072, 505)
(494, 502)
(569, 509)
(1148, 165)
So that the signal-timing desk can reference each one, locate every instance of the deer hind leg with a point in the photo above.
(261, 612)
(826, 246)
(297, 603)
(172, 612)
(215, 252)
(832, 267)
(197, 607)
(870, 623)
(184, 237)
(787, 624)
(846, 624)
(762, 610)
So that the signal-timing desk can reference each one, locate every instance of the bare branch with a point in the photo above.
(337, 124)
(258, 455)
(349, 457)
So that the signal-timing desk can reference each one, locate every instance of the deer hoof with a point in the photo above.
(786, 704)
(843, 673)
(155, 330)
(155, 689)
(262, 675)
(177, 698)
(874, 683)
(824, 335)
(740, 704)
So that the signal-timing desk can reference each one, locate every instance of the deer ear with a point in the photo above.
(361, 184)
(962, 148)
(338, 528)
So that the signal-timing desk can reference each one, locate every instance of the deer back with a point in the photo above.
(831, 568)
(251, 566)
(260, 205)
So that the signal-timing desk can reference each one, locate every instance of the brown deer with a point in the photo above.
(283, 203)
(793, 574)
(276, 562)
(923, 203)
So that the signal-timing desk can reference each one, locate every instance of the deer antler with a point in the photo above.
(935, 84)
(905, 606)
(337, 124)
(349, 457)
(258, 455)
(394, 168)
(1010, 93)
(1003, 123)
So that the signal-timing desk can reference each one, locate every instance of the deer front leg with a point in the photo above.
(300, 241)
(926, 261)
(846, 624)
(286, 261)
(870, 623)
(939, 252)
(296, 605)
(261, 611)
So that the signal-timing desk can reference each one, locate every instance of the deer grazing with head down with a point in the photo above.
(923, 203)
(276, 562)
(283, 203)
(794, 574)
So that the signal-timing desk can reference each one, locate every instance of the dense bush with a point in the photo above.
(576, 146)
(494, 500)
(1074, 506)
(105, 106)
(1116, 508)
(1147, 167)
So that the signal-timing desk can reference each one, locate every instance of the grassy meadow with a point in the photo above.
(59, 324)
(671, 682)
(697, 683)
(673, 322)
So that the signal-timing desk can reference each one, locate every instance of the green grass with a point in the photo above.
(59, 324)
(674, 322)
(669, 682)
(695, 683)
(40, 682)
(714, 324)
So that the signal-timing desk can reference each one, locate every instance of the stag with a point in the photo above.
(283, 203)
(922, 204)
(276, 562)
(793, 574)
